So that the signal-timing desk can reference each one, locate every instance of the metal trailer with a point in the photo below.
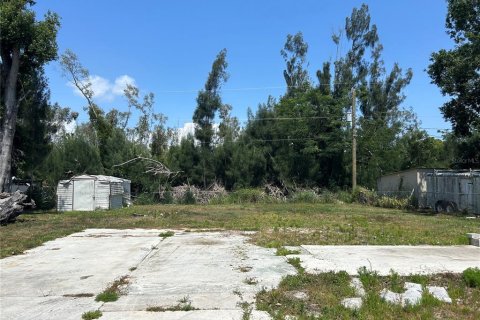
(450, 191)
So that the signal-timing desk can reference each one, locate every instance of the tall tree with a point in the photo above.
(295, 55)
(456, 71)
(25, 46)
(380, 95)
(209, 102)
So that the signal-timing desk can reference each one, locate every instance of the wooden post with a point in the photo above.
(354, 143)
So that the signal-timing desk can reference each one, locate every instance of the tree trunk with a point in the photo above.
(9, 121)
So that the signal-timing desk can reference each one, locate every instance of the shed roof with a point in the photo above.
(98, 177)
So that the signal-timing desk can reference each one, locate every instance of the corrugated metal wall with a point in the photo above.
(109, 192)
(102, 195)
(65, 196)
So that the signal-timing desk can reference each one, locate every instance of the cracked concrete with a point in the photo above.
(215, 271)
(404, 260)
(209, 268)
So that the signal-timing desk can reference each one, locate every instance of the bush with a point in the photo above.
(44, 197)
(392, 203)
(364, 196)
(471, 276)
(189, 197)
(304, 197)
(145, 198)
(241, 196)
(167, 197)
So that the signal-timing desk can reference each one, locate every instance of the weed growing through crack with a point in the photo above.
(90, 315)
(296, 262)
(184, 304)
(113, 292)
(396, 282)
(132, 269)
(247, 310)
(282, 251)
(166, 234)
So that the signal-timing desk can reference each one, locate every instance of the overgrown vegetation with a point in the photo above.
(113, 292)
(298, 139)
(472, 277)
(183, 304)
(323, 294)
(166, 234)
(278, 224)
(90, 315)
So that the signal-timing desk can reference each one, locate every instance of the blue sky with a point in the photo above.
(166, 46)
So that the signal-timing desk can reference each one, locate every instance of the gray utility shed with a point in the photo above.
(91, 192)
(442, 190)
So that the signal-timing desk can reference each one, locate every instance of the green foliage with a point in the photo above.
(455, 71)
(282, 251)
(107, 296)
(44, 196)
(166, 234)
(294, 53)
(244, 196)
(369, 278)
(471, 276)
(90, 315)
(189, 197)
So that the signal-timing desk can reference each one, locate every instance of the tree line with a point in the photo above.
(302, 138)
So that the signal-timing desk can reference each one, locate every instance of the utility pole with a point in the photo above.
(354, 143)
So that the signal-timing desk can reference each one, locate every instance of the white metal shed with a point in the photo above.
(91, 192)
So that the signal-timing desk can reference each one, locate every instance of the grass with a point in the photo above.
(166, 234)
(278, 224)
(325, 291)
(90, 315)
(113, 292)
(285, 252)
(184, 304)
(471, 276)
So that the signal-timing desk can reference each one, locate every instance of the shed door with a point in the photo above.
(83, 195)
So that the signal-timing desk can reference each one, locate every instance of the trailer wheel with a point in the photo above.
(439, 207)
(450, 207)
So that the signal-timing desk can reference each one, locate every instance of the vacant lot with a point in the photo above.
(277, 224)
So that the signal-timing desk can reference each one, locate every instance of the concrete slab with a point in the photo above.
(184, 315)
(404, 260)
(206, 268)
(214, 270)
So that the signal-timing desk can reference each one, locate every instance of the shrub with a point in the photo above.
(44, 197)
(364, 196)
(189, 197)
(304, 197)
(392, 202)
(145, 198)
(471, 276)
(241, 196)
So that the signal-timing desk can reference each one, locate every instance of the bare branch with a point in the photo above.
(156, 167)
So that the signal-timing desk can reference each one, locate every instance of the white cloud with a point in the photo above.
(101, 87)
(105, 90)
(188, 128)
(121, 83)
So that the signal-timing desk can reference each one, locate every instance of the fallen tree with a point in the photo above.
(12, 205)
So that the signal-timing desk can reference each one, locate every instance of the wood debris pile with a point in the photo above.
(179, 193)
(12, 205)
